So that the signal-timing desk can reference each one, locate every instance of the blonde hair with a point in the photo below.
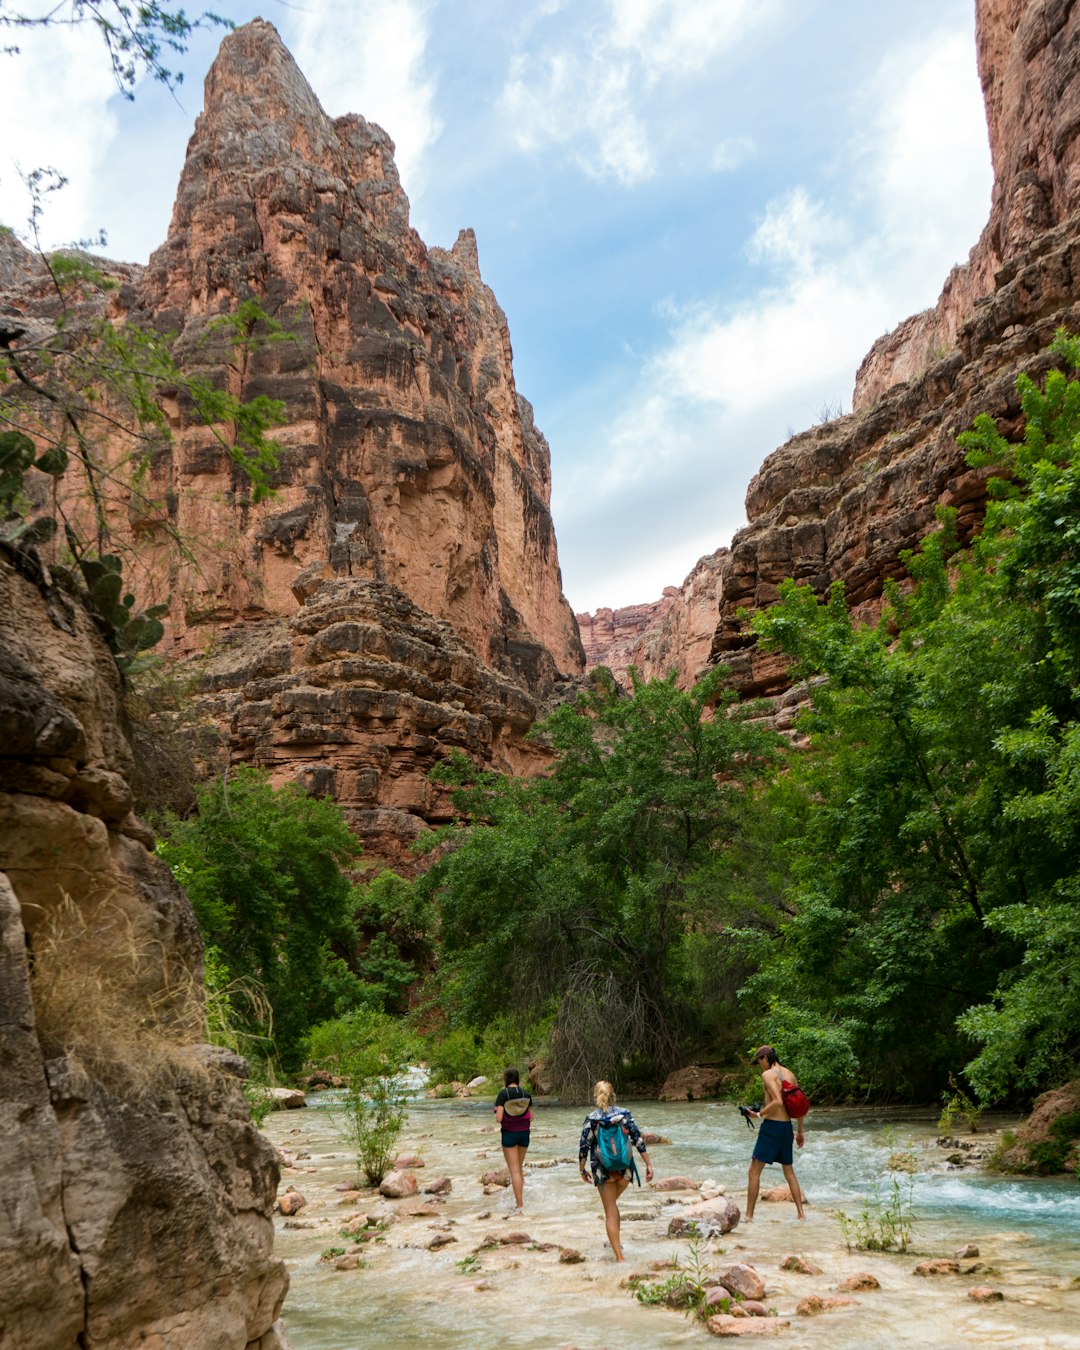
(604, 1095)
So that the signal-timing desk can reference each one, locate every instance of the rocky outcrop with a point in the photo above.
(610, 637)
(114, 1116)
(359, 694)
(1049, 1140)
(409, 456)
(843, 500)
(410, 464)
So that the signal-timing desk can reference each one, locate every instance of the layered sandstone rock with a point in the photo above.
(137, 1192)
(410, 458)
(843, 500)
(410, 464)
(610, 637)
(359, 694)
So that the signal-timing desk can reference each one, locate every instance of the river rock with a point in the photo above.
(967, 1252)
(724, 1324)
(570, 1256)
(285, 1099)
(776, 1195)
(982, 1293)
(815, 1304)
(860, 1283)
(675, 1184)
(694, 1083)
(439, 1186)
(440, 1240)
(477, 1082)
(406, 1160)
(743, 1281)
(496, 1176)
(800, 1265)
(397, 1185)
(350, 1261)
(707, 1217)
(754, 1308)
(291, 1202)
(938, 1266)
(652, 1138)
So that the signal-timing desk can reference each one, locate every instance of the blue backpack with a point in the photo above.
(613, 1147)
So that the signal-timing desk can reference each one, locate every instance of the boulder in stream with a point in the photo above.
(397, 1185)
(705, 1218)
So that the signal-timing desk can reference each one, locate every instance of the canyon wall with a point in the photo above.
(131, 1167)
(413, 485)
(842, 500)
(409, 457)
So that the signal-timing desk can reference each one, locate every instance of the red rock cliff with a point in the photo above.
(399, 595)
(410, 457)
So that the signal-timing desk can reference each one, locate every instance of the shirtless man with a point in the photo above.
(773, 1143)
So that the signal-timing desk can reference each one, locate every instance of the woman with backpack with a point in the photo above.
(513, 1112)
(606, 1140)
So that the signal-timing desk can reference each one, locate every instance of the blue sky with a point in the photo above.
(697, 214)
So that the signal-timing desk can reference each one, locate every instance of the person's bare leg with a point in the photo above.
(609, 1198)
(795, 1188)
(514, 1157)
(753, 1184)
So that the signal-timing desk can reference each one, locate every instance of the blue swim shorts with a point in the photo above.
(517, 1139)
(774, 1142)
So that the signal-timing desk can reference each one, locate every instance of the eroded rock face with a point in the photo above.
(841, 501)
(358, 695)
(410, 458)
(108, 1128)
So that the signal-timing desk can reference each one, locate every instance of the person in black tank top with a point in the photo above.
(513, 1112)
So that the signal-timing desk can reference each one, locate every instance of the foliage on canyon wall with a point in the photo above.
(933, 871)
(86, 404)
(263, 868)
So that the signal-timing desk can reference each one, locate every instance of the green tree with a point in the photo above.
(584, 890)
(372, 1051)
(263, 867)
(931, 881)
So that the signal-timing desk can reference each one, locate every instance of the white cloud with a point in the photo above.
(376, 66)
(732, 153)
(56, 91)
(681, 37)
(715, 397)
(584, 101)
(591, 92)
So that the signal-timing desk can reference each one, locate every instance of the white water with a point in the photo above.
(1028, 1234)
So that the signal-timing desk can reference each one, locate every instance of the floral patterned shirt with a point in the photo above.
(588, 1145)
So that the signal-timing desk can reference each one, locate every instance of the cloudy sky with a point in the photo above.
(697, 214)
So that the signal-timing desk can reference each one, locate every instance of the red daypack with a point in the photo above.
(795, 1100)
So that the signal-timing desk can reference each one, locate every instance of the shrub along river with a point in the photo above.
(427, 1278)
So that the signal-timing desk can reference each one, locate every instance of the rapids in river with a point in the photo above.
(458, 1297)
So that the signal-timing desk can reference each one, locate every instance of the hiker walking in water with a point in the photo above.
(513, 1112)
(606, 1139)
(774, 1139)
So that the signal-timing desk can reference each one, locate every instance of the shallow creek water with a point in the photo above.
(1028, 1234)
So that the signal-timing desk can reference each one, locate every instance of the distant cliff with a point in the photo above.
(842, 500)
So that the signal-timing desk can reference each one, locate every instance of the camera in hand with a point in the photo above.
(745, 1111)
